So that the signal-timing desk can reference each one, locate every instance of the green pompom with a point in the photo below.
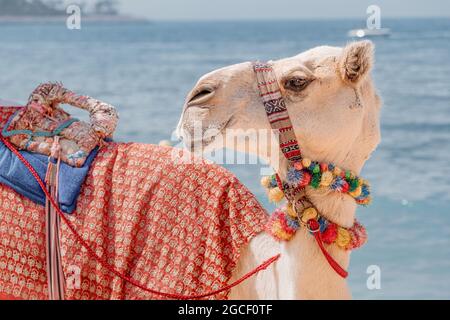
(348, 175)
(316, 169)
(353, 184)
(315, 181)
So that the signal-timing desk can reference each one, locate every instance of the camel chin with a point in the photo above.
(334, 109)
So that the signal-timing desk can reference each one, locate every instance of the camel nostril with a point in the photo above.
(201, 95)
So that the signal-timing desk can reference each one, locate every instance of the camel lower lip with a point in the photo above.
(205, 141)
(193, 144)
(199, 106)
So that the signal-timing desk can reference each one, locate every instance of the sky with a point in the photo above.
(279, 9)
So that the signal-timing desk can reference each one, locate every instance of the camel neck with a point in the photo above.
(335, 207)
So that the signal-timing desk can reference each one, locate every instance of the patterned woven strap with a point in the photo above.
(276, 110)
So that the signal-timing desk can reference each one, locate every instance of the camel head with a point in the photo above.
(330, 97)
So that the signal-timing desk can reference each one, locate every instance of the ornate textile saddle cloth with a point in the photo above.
(176, 228)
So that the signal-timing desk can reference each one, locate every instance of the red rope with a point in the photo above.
(108, 266)
(315, 227)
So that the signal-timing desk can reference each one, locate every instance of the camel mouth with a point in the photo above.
(209, 134)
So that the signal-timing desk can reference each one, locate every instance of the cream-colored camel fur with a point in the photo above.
(335, 113)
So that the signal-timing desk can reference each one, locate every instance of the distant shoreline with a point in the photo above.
(88, 18)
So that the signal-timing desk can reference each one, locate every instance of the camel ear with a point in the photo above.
(356, 61)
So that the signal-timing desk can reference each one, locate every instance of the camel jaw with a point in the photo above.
(198, 139)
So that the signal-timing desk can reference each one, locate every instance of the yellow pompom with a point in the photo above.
(265, 181)
(308, 214)
(337, 171)
(356, 193)
(276, 195)
(290, 211)
(306, 162)
(165, 143)
(327, 178)
(280, 233)
(343, 238)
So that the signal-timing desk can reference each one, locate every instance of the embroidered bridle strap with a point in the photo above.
(276, 111)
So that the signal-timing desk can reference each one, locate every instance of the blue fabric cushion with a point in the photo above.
(14, 174)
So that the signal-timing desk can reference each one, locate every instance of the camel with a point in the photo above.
(334, 108)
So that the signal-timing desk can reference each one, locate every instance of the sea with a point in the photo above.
(147, 68)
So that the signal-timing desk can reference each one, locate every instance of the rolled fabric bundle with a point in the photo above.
(34, 127)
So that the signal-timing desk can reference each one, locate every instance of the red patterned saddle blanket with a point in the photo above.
(175, 228)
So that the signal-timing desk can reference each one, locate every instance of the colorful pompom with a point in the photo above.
(361, 181)
(345, 187)
(353, 184)
(337, 183)
(323, 224)
(365, 192)
(315, 182)
(292, 222)
(290, 211)
(364, 201)
(276, 195)
(327, 178)
(306, 162)
(265, 181)
(330, 233)
(360, 235)
(337, 171)
(356, 193)
(343, 237)
(315, 168)
(348, 175)
(308, 214)
(294, 176)
(306, 179)
(298, 166)
(364, 198)
(273, 181)
(279, 227)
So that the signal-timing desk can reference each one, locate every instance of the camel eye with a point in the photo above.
(297, 84)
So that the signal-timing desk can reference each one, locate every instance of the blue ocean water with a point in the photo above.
(146, 69)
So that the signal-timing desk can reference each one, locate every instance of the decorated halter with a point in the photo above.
(302, 172)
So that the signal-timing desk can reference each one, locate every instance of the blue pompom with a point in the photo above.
(365, 192)
(273, 182)
(337, 184)
(323, 224)
(294, 176)
(291, 222)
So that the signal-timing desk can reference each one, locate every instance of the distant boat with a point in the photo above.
(365, 33)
